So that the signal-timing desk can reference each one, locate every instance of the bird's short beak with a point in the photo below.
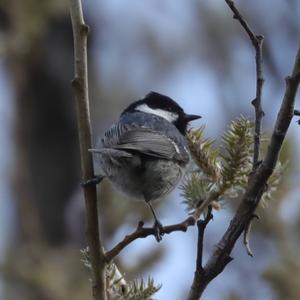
(190, 118)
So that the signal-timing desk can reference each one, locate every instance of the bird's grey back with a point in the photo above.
(153, 128)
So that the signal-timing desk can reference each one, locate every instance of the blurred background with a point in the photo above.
(192, 51)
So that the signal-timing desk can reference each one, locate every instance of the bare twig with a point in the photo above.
(256, 186)
(257, 42)
(201, 224)
(199, 272)
(246, 235)
(143, 232)
(80, 85)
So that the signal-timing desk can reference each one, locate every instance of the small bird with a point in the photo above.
(145, 154)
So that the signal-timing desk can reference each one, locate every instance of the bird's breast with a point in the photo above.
(147, 179)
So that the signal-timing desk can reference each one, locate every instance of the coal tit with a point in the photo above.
(144, 154)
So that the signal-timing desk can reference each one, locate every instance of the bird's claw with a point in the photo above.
(158, 231)
(93, 181)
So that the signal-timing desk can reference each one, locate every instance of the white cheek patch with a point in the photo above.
(171, 117)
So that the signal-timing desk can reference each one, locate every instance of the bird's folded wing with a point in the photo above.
(148, 142)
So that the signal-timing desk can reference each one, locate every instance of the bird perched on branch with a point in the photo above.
(144, 154)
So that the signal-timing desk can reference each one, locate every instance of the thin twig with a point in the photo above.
(246, 239)
(257, 42)
(256, 186)
(80, 85)
(143, 232)
(201, 224)
(199, 272)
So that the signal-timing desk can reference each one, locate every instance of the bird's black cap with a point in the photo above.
(155, 100)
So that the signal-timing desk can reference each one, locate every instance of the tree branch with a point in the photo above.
(201, 224)
(199, 272)
(246, 235)
(256, 186)
(143, 232)
(257, 42)
(80, 86)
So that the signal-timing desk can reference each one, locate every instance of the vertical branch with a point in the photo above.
(199, 284)
(80, 85)
(257, 42)
(201, 224)
(257, 101)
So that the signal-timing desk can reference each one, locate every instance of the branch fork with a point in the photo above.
(260, 173)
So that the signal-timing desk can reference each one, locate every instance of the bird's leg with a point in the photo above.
(93, 181)
(157, 225)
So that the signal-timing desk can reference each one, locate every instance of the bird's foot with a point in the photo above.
(93, 181)
(158, 231)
